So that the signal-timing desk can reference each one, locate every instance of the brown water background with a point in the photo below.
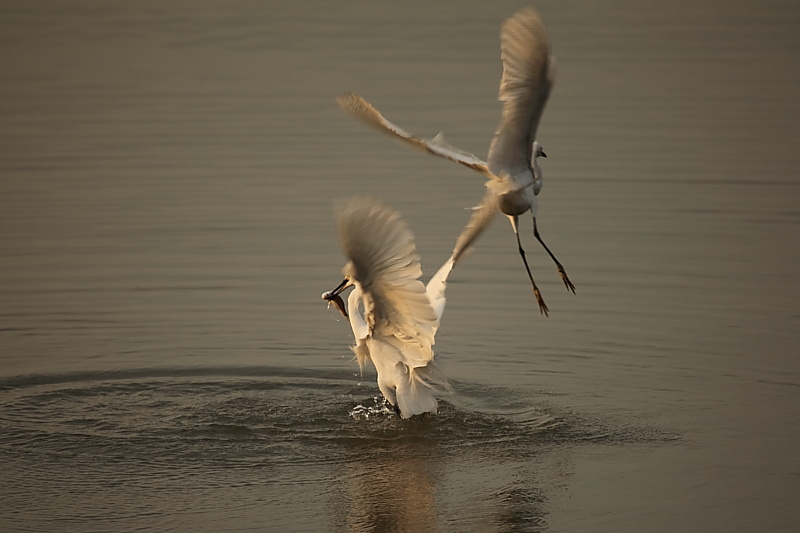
(167, 171)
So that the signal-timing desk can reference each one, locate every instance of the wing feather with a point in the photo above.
(528, 72)
(482, 216)
(364, 111)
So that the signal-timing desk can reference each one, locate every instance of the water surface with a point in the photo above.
(166, 180)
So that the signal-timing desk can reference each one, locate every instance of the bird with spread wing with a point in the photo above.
(393, 315)
(514, 176)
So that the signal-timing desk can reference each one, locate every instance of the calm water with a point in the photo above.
(166, 178)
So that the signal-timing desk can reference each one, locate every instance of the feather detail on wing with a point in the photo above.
(441, 147)
(383, 260)
(482, 216)
(528, 72)
(364, 111)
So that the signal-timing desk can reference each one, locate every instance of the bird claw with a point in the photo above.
(542, 306)
(567, 282)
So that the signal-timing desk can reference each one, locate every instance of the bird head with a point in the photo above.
(538, 151)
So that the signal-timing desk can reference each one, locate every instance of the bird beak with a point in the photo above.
(333, 297)
(544, 154)
(340, 287)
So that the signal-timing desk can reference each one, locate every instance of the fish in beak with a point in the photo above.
(333, 297)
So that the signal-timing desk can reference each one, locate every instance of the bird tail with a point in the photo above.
(407, 384)
(415, 394)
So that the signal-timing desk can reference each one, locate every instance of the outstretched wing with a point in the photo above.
(482, 216)
(528, 75)
(384, 262)
(364, 111)
(436, 287)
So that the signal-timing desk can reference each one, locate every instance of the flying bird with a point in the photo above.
(394, 316)
(514, 176)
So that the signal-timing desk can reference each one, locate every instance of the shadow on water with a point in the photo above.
(278, 430)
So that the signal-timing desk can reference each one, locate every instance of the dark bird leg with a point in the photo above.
(542, 306)
(392, 406)
(561, 271)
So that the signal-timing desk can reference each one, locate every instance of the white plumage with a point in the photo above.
(393, 315)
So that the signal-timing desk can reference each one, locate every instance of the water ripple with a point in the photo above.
(167, 438)
(274, 407)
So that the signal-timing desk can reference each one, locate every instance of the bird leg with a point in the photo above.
(394, 407)
(542, 306)
(561, 271)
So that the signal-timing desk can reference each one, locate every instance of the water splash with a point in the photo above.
(380, 408)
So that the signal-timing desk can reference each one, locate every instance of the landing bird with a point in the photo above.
(514, 177)
(394, 316)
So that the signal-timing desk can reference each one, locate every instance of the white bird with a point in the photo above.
(514, 177)
(394, 316)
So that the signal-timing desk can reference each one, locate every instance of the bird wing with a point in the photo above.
(528, 74)
(436, 287)
(384, 262)
(482, 215)
(364, 111)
